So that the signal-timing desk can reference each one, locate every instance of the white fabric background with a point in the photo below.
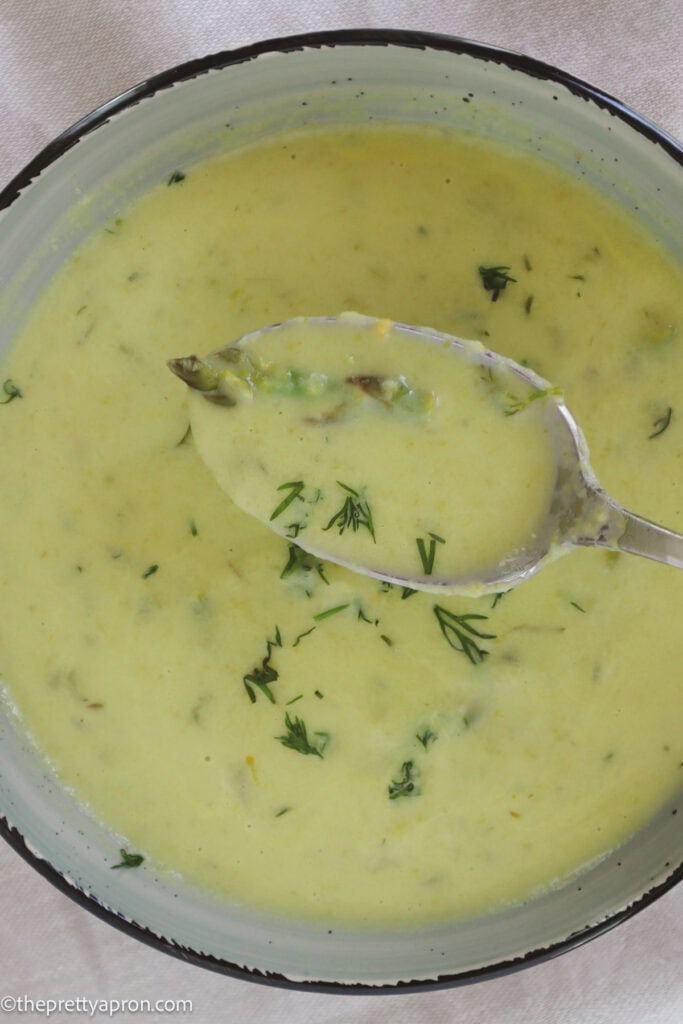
(58, 60)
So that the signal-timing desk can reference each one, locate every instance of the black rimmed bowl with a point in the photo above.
(116, 153)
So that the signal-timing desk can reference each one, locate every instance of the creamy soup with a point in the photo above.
(280, 730)
(359, 440)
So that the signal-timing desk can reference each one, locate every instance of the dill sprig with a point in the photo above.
(405, 785)
(495, 280)
(458, 632)
(262, 677)
(296, 737)
(302, 561)
(354, 513)
(427, 555)
(11, 391)
(661, 424)
(330, 611)
(426, 737)
(186, 438)
(295, 488)
(128, 860)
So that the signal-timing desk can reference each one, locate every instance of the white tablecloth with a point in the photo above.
(58, 60)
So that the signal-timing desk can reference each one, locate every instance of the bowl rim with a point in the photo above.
(145, 89)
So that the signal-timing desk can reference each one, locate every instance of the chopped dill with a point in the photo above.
(330, 611)
(296, 738)
(459, 633)
(495, 280)
(427, 556)
(300, 637)
(405, 785)
(11, 390)
(301, 561)
(426, 737)
(186, 438)
(295, 488)
(498, 597)
(354, 513)
(262, 677)
(150, 571)
(128, 860)
(575, 604)
(176, 178)
(661, 424)
(387, 640)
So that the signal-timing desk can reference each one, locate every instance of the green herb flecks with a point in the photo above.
(575, 604)
(329, 612)
(295, 487)
(426, 737)
(354, 513)
(300, 561)
(176, 178)
(192, 526)
(128, 860)
(300, 637)
(150, 571)
(495, 280)
(11, 391)
(296, 738)
(427, 555)
(406, 592)
(186, 438)
(497, 598)
(405, 785)
(459, 633)
(661, 424)
(261, 678)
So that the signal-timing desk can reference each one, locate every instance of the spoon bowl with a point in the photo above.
(578, 511)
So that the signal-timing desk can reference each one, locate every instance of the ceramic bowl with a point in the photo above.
(120, 150)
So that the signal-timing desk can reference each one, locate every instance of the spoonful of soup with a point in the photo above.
(406, 454)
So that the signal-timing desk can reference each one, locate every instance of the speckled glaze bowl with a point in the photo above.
(78, 182)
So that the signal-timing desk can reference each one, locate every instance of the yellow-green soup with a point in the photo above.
(280, 730)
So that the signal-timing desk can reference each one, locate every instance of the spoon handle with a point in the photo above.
(624, 531)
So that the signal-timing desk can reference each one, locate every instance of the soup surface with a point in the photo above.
(280, 730)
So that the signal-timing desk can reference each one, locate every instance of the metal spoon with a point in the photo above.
(580, 513)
